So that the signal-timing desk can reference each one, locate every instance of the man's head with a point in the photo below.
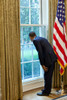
(32, 35)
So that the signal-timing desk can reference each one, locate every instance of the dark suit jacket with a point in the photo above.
(45, 51)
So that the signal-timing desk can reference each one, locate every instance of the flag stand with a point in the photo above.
(62, 86)
(61, 91)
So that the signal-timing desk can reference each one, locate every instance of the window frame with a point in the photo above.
(30, 84)
(40, 24)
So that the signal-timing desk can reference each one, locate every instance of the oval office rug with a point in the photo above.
(61, 98)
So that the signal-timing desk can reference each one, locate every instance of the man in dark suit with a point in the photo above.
(47, 59)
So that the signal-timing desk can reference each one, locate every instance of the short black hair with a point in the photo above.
(32, 34)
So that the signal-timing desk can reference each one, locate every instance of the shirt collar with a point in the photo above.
(34, 38)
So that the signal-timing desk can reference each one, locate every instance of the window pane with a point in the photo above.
(27, 70)
(36, 29)
(34, 19)
(24, 3)
(36, 69)
(35, 54)
(24, 15)
(27, 53)
(34, 3)
(43, 31)
(22, 71)
(26, 31)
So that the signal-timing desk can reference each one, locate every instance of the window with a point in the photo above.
(30, 20)
(30, 11)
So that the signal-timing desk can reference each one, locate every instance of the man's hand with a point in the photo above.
(45, 68)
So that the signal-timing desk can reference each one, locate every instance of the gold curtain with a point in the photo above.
(52, 16)
(11, 83)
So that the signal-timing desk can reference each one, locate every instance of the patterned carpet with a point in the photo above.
(61, 98)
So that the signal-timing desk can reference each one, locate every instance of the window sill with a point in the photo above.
(32, 25)
(33, 84)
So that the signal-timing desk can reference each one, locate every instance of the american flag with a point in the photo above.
(59, 36)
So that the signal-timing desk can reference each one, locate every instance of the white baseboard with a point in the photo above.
(33, 84)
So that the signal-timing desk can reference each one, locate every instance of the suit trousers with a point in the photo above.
(48, 79)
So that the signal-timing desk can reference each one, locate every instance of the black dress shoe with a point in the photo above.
(42, 94)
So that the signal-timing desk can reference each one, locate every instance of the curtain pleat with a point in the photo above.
(10, 50)
(52, 16)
